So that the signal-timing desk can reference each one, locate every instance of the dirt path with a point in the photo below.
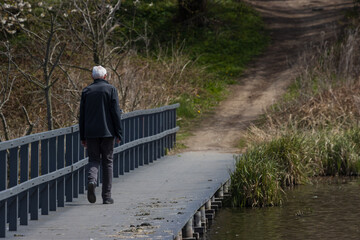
(293, 25)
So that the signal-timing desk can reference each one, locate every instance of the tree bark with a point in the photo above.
(49, 108)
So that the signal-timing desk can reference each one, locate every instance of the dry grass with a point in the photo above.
(312, 131)
(141, 82)
(325, 95)
(145, 83)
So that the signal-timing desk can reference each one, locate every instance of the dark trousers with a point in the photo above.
(100, 150)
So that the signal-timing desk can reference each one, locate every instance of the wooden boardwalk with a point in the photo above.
(154, 202)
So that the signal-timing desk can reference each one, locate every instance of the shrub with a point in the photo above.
(255, 183)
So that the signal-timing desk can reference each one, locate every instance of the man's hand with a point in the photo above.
(83, 142)
(118, 140)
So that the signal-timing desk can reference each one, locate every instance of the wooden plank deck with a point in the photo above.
(154, 202)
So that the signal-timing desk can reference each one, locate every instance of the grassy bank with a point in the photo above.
(266, 169)
(313, 131)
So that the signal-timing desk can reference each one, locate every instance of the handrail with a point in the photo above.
(58, 132)
(34, 137)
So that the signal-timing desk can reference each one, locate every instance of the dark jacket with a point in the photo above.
(100, 115)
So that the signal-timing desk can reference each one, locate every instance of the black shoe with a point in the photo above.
(108, 201)
(91, 192)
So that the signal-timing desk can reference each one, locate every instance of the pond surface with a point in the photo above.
(319, 211)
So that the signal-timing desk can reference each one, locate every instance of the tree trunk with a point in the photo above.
(49, 108)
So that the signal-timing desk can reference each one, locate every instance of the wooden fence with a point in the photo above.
(40, 172)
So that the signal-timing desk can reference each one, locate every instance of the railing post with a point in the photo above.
(24, 176)
(3, 181)
(127, 139)
(69, 162)
(121, 154)
(174, 125)
(44, 192)
(170, 127)
(82, 179)
(34, 192)
(163, 129)
(153, 132)
(158, 142)
(137, 148)
(146, 134)
(52, 167)
(116, 165)
(13, 181)
(141, 135)
(150, 133)
(76, 143)
(132, 137)
(167, 124)
(127, 160)
(60, 165)
(121, 163)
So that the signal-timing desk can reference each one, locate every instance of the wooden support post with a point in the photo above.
(82, 180)
(209, 211)
(116, 166)
(198, 226)
(24, 176)
(220, 193)
(60, 165)
(13, 181)
(34, 192)
(69, 162)
(216, 203)
(179, 236)
(203, 218)
(122, 163)
(76, 145)
(52, 168)
(44, 192)
(188, 231)
(226, 187)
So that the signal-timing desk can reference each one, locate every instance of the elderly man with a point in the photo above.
(99, 127)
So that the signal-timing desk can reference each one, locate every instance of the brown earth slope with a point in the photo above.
(294, 25)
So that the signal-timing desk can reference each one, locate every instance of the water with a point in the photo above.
(319, 211)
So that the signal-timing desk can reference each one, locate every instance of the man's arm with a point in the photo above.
(116, 115)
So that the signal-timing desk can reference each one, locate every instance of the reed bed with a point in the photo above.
(312, 131)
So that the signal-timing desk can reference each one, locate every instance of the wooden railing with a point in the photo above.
(40, 172)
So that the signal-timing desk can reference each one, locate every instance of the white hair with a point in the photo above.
(98, 72)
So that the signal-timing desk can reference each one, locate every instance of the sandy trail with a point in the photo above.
(294, 25)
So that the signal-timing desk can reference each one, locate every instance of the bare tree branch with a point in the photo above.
(111, 15)
(70, 80)
(5, 126)
(74, 66)
(54, 65)
(28, 77)
(31, 125)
